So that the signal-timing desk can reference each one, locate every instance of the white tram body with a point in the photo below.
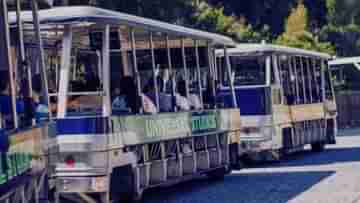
(119, 155)
(286, 98)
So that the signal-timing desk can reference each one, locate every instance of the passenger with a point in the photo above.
(6, 102)
(195, 102)
(193, 99)
(209, 97)
(165, 101)
(41, 110)
(181, 101)
(127, 99)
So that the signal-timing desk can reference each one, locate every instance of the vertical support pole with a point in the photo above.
(24, 67)
(301, 61)
(323, 93)
(295, 71)
(135, 66)
(216, 72)
(106, 71)
(44, 81)
(7, 59)
(291, 74)
(268, 70)
(64, 71)
(310, 80)
(210, 63)
(228, 68)
(154, 71)
(198, 72)
(313, 63)
(278, 76)
(186, 75)
(172, 76)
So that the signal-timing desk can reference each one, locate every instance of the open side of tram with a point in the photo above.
(134, 101)
(286, 99)
(23, 153)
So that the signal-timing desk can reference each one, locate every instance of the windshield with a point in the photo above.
(248, 71)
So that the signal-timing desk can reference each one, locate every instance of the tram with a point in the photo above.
(286, 99)
(135, 104)
(23, 153)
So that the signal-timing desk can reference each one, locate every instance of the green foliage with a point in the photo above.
(214, 19)
(297, 35)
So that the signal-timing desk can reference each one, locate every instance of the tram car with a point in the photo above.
(286, 99)
(23, 152)
(134, 104)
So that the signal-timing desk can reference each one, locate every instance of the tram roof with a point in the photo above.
(87, 14)
(253, 49)
(344, 61)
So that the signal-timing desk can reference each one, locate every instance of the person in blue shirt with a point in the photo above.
(41, 110)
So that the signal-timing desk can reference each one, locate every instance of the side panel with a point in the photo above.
(22, 152)
(307, 112)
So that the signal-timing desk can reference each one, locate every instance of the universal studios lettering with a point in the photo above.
(167, 126)
(204, 122)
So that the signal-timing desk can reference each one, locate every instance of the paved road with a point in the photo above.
(329, 177)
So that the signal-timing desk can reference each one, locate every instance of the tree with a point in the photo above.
(297, 35)
(213, 19)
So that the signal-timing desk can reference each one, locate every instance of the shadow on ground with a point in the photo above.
(308, 158)
(238, 188)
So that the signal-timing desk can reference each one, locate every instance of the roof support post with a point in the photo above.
(212, 78)
(64, 71)
(172, 76)
(106, 71)
(310, 80)
(301, 61)
(229, 72)
(7, 58)
(316, 83)
(24, 66)
(295, 71)
(186, 75)
(154, 71)
(198, 71)
(322, 69)
(135, 66)
(44, 81)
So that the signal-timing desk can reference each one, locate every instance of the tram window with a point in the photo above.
(248, 71)
(287, 78)
(317, 70)
(85, 83)
(328, 85)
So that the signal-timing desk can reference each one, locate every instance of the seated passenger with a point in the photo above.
(41, 110)
(127, 99)
(181, 101)
(165, 101)
(195, 102)
(209, 97)
(6, 101)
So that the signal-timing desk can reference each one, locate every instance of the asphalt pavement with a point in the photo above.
(332, 176)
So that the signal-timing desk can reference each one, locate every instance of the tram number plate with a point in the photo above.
(99, 184)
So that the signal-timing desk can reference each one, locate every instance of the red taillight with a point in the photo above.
(70, 161)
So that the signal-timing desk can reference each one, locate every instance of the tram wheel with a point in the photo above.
(318, 147)
(122, 185)
(217, 174)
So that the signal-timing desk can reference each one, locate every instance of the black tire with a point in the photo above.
(318, 147)
(122, 185)
(217, 174)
